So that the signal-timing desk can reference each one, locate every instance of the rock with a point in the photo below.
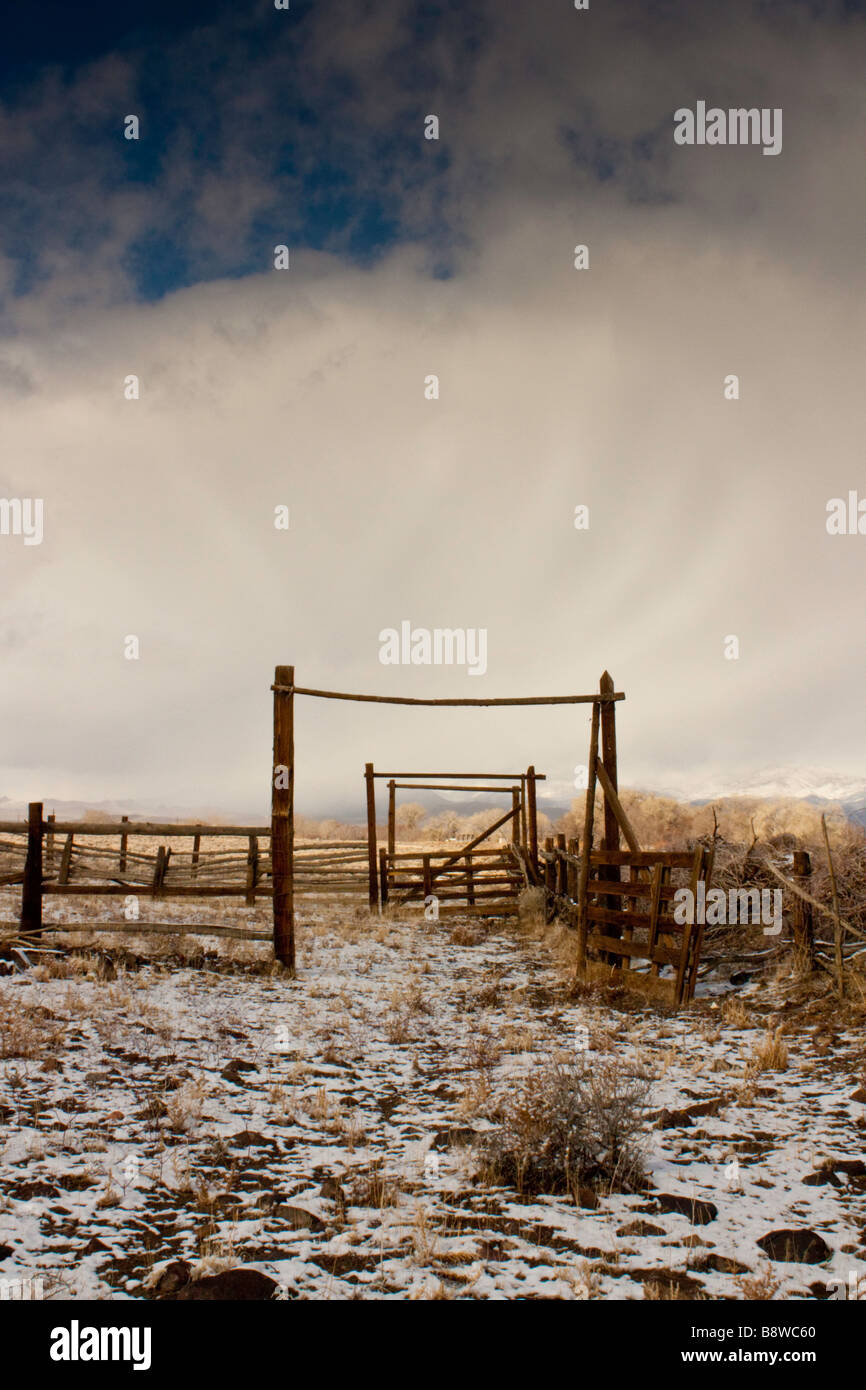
(641, 1228)
(457, 1135)
(852, 1168)
(795, 1247)
(685, 1118)
(249, 1139)
(588, 1197)
(719, 1264)
(232, 1071)
(669, 1279)
(5, 1252)
(93, 1246)
(699, 1212)
(26, 1191)
(233, 1285)
(332, 1191)
(299, 1218)
(674, 1119)
(860, 1094)
(821, 1177)
(174, 1277)
(76, 1182)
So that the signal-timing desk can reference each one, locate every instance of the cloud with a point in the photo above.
(558, 387)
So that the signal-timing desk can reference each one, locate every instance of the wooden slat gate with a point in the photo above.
(486, 880)
(633, 919)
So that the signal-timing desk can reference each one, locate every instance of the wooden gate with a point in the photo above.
(486, 881)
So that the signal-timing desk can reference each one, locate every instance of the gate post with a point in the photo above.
(31, 895)
(589, 808)
(283, 817)
(371, 836)
(392, 817)
(610, 840)
(804, 946)
(532, 816)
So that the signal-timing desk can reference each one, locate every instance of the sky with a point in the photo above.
(308, 388)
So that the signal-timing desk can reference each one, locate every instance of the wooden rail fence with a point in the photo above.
(274, 865)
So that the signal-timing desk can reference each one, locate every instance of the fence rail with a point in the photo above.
(52, 858)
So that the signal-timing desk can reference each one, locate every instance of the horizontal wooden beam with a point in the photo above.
(496, 853)
(134, 828)
(156, 929)
(491, 776)
(661, 955)
(446, 787)
(145, 890)
(645, 858)
(407, 700)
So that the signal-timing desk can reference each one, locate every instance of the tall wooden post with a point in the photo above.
(515, 815)
(532, 817)
(124, 840)
(196, 846)
(371, 835)
(589, 808)
(610, 839)
(392, 818)
(31, 896)
(608, 757)
(283, 817)
(804, 945)
(50, 845)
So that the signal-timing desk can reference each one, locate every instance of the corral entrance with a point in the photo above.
(484, 877)
(383, 874)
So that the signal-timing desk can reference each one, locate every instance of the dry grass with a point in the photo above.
(769, 1054)
(27, 1031)
(763, 1286)
(735, 1014)
(376, 1189)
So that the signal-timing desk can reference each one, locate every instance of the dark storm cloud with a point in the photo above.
(411, 257)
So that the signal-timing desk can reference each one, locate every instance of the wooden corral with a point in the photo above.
(615, 895)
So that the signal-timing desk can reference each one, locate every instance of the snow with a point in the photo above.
(392, 1045)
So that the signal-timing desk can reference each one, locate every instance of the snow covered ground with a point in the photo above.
(321, 1130)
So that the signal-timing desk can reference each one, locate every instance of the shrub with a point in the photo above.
(569, 1127)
